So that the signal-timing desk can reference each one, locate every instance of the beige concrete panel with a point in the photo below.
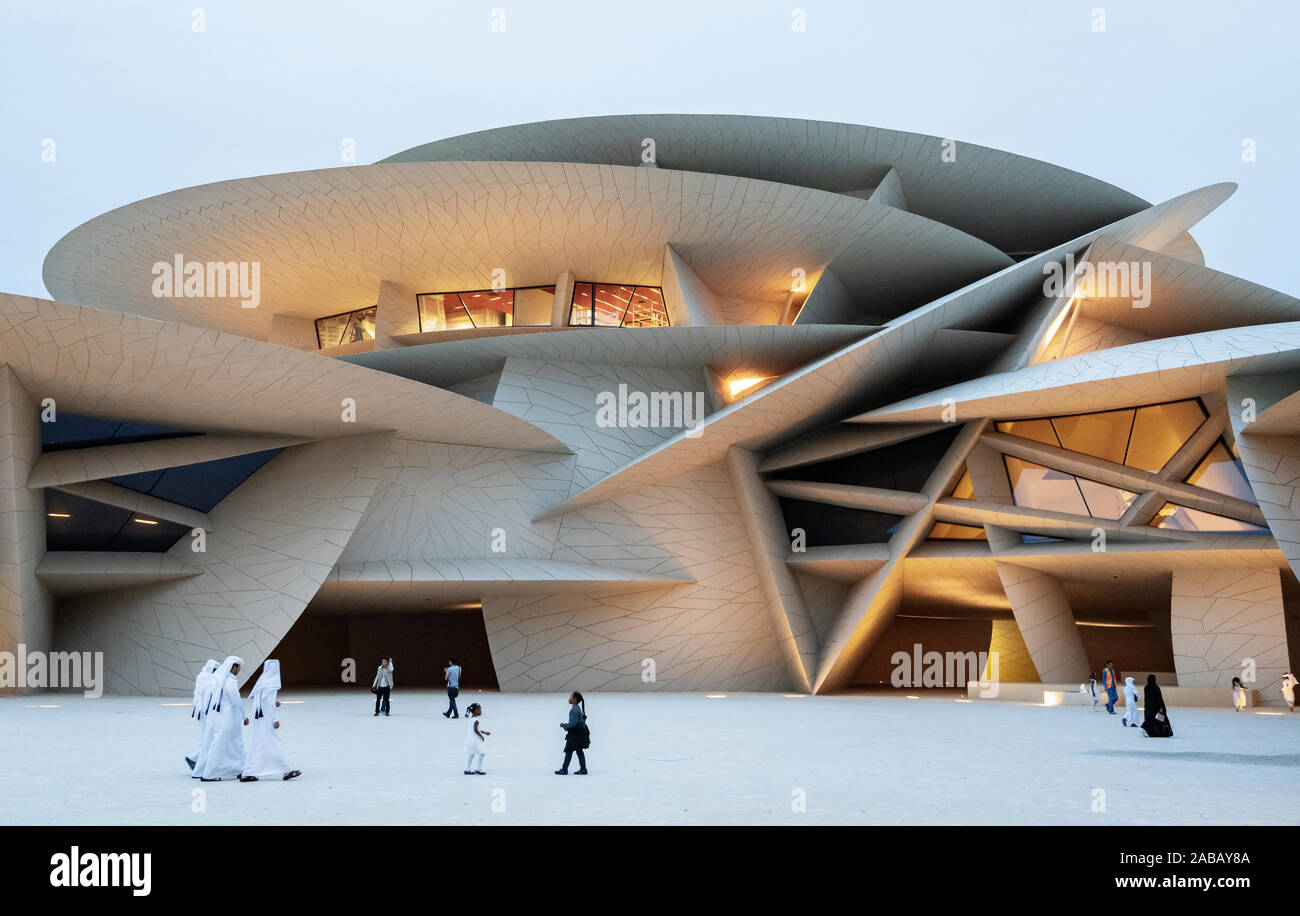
(770, 540)
(397, 312)
(26, 603)
(689, 301)
(274, 541)
(1225, 621)
(1046, 623)
(84, 572)
(109, 364)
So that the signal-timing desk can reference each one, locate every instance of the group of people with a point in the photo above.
(220, 751)
(577, 735)
(1155, 723)
(577, 738)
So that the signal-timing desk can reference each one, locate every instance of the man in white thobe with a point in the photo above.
(222, 756)
(265, 757)
(199, 707)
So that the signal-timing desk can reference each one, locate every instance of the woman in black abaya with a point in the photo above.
(1156, 724)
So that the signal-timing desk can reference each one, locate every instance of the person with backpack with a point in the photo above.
(577, 737)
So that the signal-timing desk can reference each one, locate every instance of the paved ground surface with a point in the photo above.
(658, 759)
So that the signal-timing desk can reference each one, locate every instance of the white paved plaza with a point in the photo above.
(658, 759)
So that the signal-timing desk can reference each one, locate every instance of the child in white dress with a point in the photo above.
(475, 741)
(1130, 704)
(1089, 691)
(1238, 695)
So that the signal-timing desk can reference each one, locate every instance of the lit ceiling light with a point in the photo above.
(741, 384)
(58, 515)
(144, 521)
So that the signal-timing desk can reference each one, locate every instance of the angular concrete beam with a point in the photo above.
(842, 441)
(85, 572)
(770, 541)
(101, 491)
(875, 499)
(1128, 478)
(76, 465)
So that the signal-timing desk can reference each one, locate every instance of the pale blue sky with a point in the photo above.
(139, 104)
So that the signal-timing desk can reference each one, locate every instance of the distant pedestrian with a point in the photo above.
(1288, 690)
(1110, 680)
(382, 687)
(451, 674)
(1156, 723)
(475, 741)
(577, 737)
(1130, 704)
(1238, 695)
(1089, 690)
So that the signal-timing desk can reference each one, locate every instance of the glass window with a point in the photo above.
(349, 327)
(646, 310)
(1102, 435)
(1038, 430)
(1181, 518)
(610, 305)
(533, 306)
(1160, 430)
(1105, 501)
(964, 489)
(1038, 487)
(1220, 472)
(1143, 437)
(486, 308)
(580, 311)
(949, 531)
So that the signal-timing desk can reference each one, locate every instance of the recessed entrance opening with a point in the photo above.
(419, 641)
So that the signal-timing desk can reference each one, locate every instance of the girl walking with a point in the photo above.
(475, 741)
(577, 737)
(1238, 695)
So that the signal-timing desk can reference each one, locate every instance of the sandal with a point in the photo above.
(292, 773)
(248, 779)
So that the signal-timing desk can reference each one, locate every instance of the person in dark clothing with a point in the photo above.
(577, 737)
(451, 674)
(1156, 724)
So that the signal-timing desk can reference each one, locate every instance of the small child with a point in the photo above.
(475, 743)
(1289, 683)
(1090, 690)
(1238, 695)
(1130, 704)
